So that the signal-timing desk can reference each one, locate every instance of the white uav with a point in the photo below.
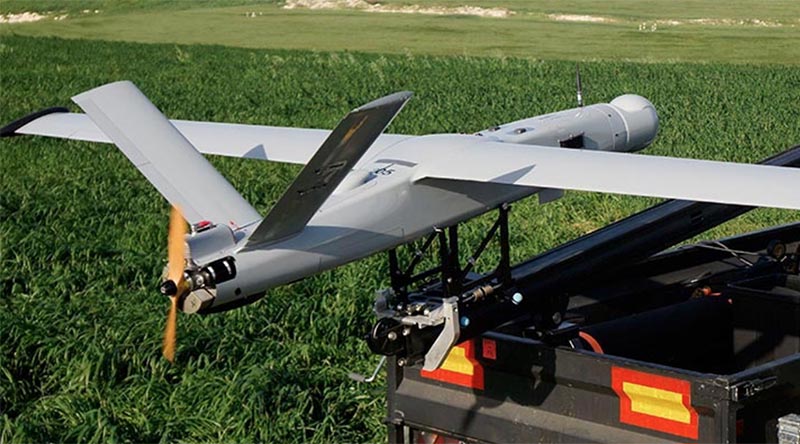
(363, 191)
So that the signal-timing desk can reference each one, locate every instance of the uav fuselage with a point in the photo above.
(392, 201)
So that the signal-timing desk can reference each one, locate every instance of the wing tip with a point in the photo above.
(391, 99)
(119, 84)
(11, 129)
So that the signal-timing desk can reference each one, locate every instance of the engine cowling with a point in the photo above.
(210, 247)
(629, 123)
(641, 120)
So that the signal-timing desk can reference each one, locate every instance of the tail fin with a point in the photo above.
(329, 166)
(178, 171)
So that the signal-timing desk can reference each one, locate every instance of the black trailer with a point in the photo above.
(697, 344)
(605, 338)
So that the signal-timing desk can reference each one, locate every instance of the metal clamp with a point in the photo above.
(447, 338)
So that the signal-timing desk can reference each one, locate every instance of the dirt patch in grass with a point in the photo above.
(581, 18)
(369, 6)
(25, 17)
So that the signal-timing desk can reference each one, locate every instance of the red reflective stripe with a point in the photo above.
(627, 415)
(474, 380)
(489, 347)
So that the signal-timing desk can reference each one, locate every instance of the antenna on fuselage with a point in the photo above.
(578, 85)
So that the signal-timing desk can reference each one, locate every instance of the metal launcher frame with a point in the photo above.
(421, 306)
(455, 278)
(424, 314)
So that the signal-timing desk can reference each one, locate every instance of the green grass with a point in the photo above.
(82, 234)
(774, 10)
(783, 11)
(529, 33)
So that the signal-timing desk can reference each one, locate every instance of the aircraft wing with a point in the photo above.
(164, 156)
(273, 143)
(620, 173)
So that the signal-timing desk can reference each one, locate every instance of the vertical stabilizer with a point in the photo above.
(330, 165)
(178, 171)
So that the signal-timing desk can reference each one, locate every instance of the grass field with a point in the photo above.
(742, 31)
(82, 234)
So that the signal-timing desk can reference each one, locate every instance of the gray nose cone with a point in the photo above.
(641, 120)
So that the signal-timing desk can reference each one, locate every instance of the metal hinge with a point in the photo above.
(746, 389)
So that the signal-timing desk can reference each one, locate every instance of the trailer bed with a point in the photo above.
(697, 344)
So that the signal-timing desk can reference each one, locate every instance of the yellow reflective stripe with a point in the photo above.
(457, 362)
(657, 402)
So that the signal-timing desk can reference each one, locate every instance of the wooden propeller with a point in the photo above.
(175, 286)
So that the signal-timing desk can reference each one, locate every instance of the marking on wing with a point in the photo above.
(353, 130)
(404, 163)
(257, 152)
(513, 176)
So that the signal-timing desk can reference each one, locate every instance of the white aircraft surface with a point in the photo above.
(362, 191)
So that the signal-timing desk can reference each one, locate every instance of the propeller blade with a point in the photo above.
(176, 246)
(176, 254)
(171, 330)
